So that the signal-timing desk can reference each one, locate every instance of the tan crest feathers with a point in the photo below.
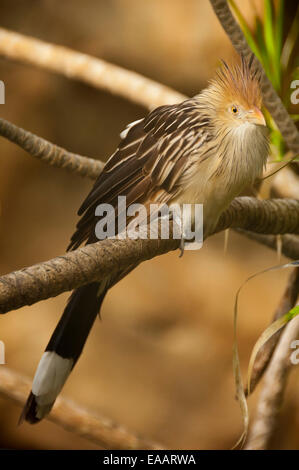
(239, 82)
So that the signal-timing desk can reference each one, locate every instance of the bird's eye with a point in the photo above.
(234, 109)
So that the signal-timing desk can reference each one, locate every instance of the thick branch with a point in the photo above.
(95, 72)
(271, 397)
(100, 430)
(271, 99)
(50, 153)
(95, 261)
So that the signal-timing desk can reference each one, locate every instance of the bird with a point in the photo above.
(205, 150)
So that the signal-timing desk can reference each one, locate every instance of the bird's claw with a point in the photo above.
(182, 247)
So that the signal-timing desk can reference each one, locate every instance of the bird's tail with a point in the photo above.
(63, 350)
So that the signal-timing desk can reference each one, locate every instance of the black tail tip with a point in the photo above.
(29, 411)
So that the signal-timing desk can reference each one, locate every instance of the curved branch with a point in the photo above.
(97, 429)
(95, 261)
(50, 153)
(95, 72)
(271, 100)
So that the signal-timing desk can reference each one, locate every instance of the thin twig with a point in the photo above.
(50, 153)
(286, 303)
(272, 101)
(95, 72)
(274, 384)
(97, 260)
(98, 429)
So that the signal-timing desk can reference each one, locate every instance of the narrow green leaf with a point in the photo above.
(293, 313)
(265, 336)
(261, 43)
(277, 141)
(279, 27)
(269, 36)
(279, 19)
(247, 33)
(268, 28)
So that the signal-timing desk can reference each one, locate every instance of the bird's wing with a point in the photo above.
(148, 164)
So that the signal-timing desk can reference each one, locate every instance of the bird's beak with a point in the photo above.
(257, 117)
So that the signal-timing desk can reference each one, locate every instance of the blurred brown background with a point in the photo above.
(160, 361)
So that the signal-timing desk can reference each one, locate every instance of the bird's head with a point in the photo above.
(235, 97)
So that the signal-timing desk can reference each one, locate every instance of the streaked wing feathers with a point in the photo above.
(147, 166)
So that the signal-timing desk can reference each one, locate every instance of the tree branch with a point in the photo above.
(50, 153)
(274, 384)
(95, 72)
(271, 100)
(70, 416)
(95, 261)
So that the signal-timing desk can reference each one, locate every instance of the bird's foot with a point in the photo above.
(182, 246)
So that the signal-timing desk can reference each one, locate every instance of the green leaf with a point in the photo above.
(292, 313)
(277, 141)
(268, 28)
(279, 27)
(262, 47)
(269, 36)
(279, 19)
(265, 336)
(247, 33)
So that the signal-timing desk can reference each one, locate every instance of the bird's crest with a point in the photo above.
(239, 81)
